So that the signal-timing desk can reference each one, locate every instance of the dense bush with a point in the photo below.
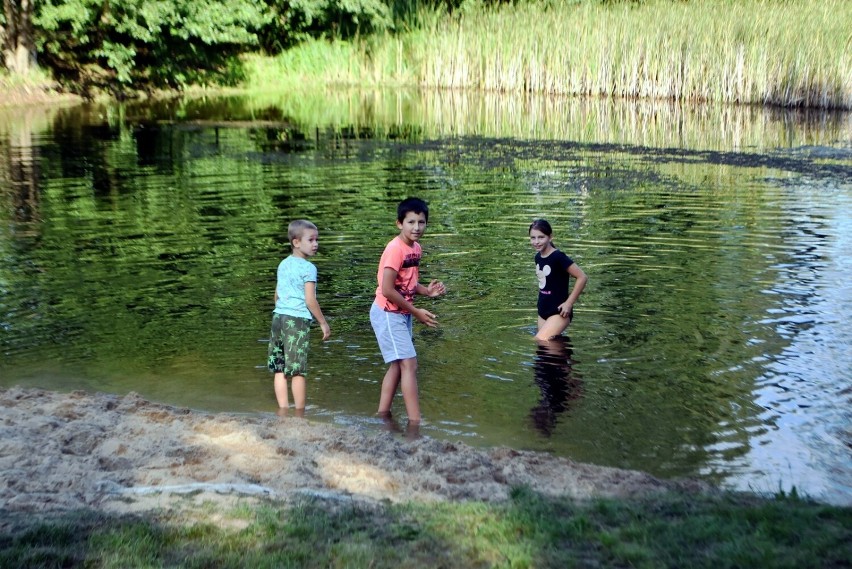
(163, 43)
(133, 44)
(296, 20)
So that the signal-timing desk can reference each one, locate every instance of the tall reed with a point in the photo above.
(793, 53)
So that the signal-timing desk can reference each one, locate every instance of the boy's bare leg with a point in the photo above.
(389, 385)
(279, 382)
(408, 374)
(297, 383)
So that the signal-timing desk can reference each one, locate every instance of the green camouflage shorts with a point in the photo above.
(288, 345)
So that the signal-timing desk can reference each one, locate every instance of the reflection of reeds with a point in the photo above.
(796, 53)
(661, 124)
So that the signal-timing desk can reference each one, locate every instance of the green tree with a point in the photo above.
(293, 21)
(145, 42)
(16, 36)
(135, 44)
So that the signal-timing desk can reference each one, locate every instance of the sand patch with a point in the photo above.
(66, 451)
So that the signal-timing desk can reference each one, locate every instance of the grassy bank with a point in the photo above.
(35, 89)
(528, 531)
(796, 53)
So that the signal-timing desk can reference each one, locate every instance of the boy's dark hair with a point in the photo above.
(415, 205)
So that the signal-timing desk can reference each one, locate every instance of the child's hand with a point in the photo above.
(326, 331)
(565, 309)
(426, 317)
(436, 288)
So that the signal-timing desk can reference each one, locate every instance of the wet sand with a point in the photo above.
(63, 451)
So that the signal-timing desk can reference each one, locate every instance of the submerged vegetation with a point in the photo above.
(528, 531)
(795, 53)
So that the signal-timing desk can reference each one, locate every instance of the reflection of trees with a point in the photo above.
(435, 114)
(161, 240)
(21, 199)
(153, 232)
(675, 302)
(19, 163)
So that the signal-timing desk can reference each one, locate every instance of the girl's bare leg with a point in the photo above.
(551, 327)
(389, 385)
(279, 382)
(297, 384)
(408, 373)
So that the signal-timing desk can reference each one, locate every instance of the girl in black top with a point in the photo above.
(554, 269)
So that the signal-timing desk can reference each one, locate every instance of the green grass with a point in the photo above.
(36, 78)
(35, 88)
(793, 53)
(727, 530)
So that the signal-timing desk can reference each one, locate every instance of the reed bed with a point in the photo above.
(791, 53)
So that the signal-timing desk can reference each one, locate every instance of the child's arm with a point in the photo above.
(314, 307)
(435, 288)
(390, 292)
(581, 279)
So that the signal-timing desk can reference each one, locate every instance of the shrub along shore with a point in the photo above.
(791, 53)
(795, 53)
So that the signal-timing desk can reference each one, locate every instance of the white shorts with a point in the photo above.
(394, 334)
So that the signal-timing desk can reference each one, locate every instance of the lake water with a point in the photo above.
(139, 244)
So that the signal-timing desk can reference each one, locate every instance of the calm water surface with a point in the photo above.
(139, 247)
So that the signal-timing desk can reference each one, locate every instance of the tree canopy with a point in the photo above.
(135, 44)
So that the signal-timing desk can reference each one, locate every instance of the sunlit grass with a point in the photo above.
(667, 530)
(792, 53)
(37, 87)
(36, 78)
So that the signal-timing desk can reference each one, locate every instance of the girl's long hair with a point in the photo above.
(542, 225)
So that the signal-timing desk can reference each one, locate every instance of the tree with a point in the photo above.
(121, 45)
(16, 36)
(293, 21)
(144, 42)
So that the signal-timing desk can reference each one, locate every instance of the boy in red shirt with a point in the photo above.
(392, 311)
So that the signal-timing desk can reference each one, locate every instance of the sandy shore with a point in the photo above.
(67, 451)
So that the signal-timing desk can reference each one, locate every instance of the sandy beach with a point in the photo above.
(63, 451)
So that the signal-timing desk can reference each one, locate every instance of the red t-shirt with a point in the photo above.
(405, 261)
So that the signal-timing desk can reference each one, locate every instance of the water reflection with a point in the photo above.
(21, 172)
(142, 241)
(560, 385)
